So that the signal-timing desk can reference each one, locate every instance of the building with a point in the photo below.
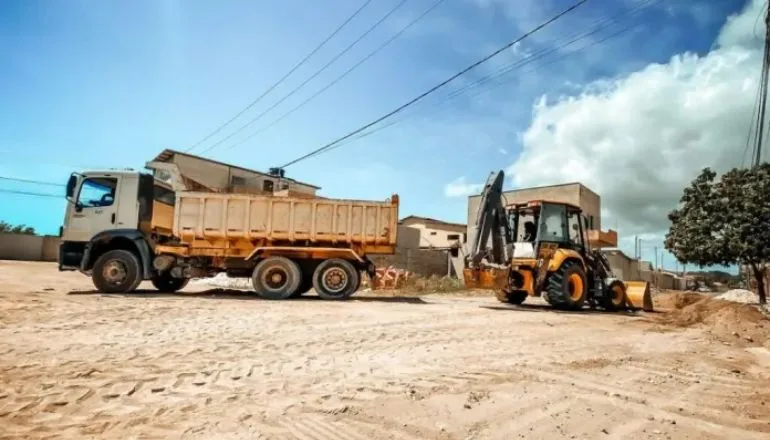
(202, 174)
(436, 234)
(574, 193)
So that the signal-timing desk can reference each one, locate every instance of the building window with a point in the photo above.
(432, 232)
(453, 236)
(237, 181)
(590, 222)
(267, 185)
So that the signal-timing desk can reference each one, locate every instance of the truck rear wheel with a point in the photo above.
(276, 278)
(164, 282)
(336, 278)
(116, 271)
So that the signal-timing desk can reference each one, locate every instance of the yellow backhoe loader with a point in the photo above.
(544, 248)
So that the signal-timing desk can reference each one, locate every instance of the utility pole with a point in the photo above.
(636, 247)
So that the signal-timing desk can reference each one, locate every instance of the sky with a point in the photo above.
(630, 97)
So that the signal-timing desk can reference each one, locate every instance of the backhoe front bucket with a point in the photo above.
(638, 294)
(488, 278)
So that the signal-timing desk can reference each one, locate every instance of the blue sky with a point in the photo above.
(111, 83)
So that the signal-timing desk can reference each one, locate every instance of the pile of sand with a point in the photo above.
(221, 280)
(740, 296)
(722, 318)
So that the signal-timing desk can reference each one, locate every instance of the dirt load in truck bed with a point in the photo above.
(194, 365)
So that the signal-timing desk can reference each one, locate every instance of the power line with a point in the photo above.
(318, 72)
(29, 193)
(37, 182)
(339, 78)
(475, 86)
(296, 66)
(438, 86)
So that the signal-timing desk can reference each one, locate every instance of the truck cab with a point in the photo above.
(109, 210)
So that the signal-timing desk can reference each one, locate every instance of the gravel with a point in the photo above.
(221, 280)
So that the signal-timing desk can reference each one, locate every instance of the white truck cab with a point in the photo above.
(110, 212)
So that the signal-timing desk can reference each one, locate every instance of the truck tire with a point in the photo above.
(336, 279)
(164, 282)
(566, 288)
(116, 271)
(615, 296)
(276, 278)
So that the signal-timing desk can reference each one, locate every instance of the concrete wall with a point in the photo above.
(574, 193)
(435, 237)
(425, 262)
(407, 238)
(29, 247)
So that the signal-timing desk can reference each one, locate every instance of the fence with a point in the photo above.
(29, 247)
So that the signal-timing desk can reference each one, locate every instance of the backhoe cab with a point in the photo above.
(544, 248)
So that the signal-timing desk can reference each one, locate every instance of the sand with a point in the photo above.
(226, 365)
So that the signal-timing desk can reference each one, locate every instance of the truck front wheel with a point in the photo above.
(336, 279)
(116, 271)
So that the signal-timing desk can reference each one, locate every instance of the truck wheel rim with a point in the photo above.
(335, 280)
(275, 278)
(115, 273)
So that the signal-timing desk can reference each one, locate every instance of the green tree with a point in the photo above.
(7, 228)
(725, 222)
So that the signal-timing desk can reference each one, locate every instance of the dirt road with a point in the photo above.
(76, 364)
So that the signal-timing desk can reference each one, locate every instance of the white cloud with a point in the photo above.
(502, 150)
(639, 139)
(460, 188)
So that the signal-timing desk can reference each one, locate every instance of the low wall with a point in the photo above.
(29, 247)
(425, 262)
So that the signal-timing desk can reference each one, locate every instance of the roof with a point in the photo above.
(542, 187)
(414, 218)
(167, 154)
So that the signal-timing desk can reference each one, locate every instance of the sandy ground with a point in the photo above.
(197, 365)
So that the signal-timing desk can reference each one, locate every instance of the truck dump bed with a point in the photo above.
(214, 217)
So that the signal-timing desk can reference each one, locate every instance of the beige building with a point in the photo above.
(436, 234)
(202, 174)
(574, 193)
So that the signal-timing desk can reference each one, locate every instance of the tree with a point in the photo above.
(7, 228)
(725, 222)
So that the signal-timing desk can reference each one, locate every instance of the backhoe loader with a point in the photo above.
(544, 248)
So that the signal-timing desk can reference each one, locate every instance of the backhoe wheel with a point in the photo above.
(164, 282)
(116, 271)
(515, 297)
(336, 278)
(566, 288)
(615, 296)
(276, 278)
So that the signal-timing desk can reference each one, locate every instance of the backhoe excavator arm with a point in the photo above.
(491, 221)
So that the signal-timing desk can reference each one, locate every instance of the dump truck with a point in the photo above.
(544, 248)
(122, 227)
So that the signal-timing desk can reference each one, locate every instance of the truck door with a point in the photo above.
(95, 208)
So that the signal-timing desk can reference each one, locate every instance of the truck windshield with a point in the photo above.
(97, 191)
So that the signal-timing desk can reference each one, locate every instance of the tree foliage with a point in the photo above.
(725, 221)
(7, 228)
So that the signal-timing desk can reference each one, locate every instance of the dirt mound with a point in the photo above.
(720, 317)
(676, 300)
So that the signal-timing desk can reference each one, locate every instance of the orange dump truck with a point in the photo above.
(123, 227)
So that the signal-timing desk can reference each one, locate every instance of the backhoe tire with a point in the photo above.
(276, 278)
(164, 282)
(117, 271)
(336, 279)
(566, 288)
(516, 297)
(615, 296)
